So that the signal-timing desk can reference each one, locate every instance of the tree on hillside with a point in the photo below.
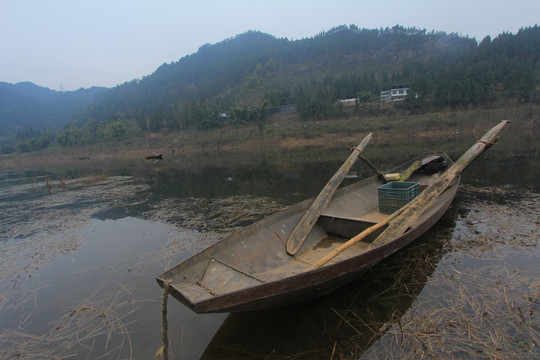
(116, 130)
(156, 120)
(70, 137)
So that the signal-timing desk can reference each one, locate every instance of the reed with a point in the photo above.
(486, 311)
(96, 179)
(100, 324)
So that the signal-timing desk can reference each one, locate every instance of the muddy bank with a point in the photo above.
(139, 148)
(288, 133)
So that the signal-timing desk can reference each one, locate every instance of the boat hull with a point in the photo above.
(299, 286)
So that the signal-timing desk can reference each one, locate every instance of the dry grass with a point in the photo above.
(285, 136)
(96, 179)
(97, 328)
(221, 215)
(481, 302)
(487, 313)
(468, 289)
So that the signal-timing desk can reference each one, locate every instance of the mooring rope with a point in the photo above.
(164, 351)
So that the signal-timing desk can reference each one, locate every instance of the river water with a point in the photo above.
(80, 247)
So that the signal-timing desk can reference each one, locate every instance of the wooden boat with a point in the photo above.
(155, 157)
(253, 269)
(250, 331)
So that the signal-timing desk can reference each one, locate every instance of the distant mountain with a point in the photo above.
(252, 64)
(246, 74)
(26, 105)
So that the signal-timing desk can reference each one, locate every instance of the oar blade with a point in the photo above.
(309, 219)
(426, 197)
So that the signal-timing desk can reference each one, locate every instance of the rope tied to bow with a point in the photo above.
(164, 350)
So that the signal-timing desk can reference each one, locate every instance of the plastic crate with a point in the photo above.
(395, 194)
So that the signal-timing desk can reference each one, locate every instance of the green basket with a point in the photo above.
(395, 194)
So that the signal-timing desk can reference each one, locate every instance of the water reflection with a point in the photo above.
(295, 175)
(105, 234)
(262, 179)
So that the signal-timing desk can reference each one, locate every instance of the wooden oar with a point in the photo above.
(387, 177)
(429, 194)
(408, 217)
(332, 254)
(307, 222)
(404, 176)
(373, 167)
(407, 173)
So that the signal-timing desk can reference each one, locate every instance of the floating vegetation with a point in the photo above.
(48, 222)
(486, 313)
(99, 324)
(79, 260)
(96, 179)
(221, 215)
(483, 301)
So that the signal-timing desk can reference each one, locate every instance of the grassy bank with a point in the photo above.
(287, 132)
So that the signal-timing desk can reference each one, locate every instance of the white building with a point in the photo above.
(347, 102)
(394, 93)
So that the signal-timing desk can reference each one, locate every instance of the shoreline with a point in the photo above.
(289, 135)
(78, 155)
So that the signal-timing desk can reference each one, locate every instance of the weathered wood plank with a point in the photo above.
(312, 214)
(402, 222)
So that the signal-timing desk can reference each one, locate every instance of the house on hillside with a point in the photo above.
(282, 109)
(347, 102)
(395, 93)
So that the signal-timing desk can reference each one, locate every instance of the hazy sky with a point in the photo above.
(81, 43)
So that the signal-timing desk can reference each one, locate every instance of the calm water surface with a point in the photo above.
(80, 248)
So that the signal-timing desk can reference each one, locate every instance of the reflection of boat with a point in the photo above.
(347, 321)
(253, 269)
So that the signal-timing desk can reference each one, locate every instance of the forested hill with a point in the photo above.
(27, 107)
(255, 69)
(246, 75)
(248, 67)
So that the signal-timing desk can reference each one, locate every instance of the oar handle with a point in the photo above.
(358, 237)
